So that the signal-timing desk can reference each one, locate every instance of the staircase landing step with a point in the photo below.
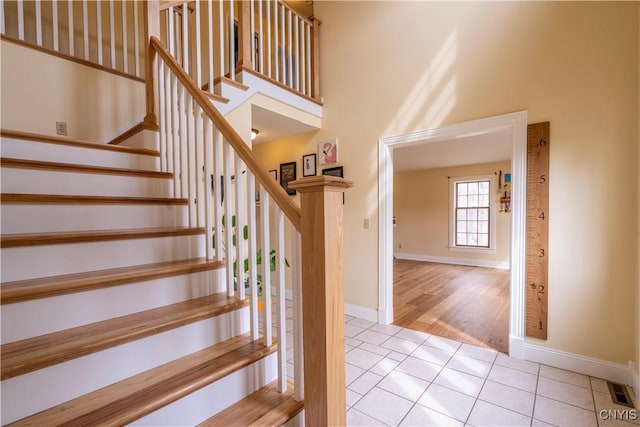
(34, 137)
(31, 354)
(37, 239)
(265, 407)
(128, 400)
(26, 290)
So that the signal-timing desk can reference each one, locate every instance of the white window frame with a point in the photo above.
(492, 214)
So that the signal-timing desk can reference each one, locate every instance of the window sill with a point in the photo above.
(472, 250)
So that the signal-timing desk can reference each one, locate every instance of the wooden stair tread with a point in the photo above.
(35, 353)
(60, 140)
(128, 400)
(44, 287)
(264, 407)
(53, 238)
(80, 168)
(87, 200)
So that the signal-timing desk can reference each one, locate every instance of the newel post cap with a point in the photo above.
(318, 183)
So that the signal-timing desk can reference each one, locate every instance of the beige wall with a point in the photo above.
(40, 89)
(391, 68)
(421, 205)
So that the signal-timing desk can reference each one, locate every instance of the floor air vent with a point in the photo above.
(620, 394)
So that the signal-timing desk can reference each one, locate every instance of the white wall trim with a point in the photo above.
(517, 123)
(361, 312)
(599, 368)
(635, 378)
(504, 265)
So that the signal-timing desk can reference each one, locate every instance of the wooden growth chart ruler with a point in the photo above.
(537, 247)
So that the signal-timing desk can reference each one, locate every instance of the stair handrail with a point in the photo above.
(290, 209)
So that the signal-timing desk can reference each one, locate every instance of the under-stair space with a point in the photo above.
(111, 314)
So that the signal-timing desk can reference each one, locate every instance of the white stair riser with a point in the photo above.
(35, 181)
(52, 260)
(38, 218)
(42, 316)
(208, 401)
(33, 392)
(21, 149)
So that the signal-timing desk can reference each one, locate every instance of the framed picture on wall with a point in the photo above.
(328, 151)
(309, 165)
(288, 174)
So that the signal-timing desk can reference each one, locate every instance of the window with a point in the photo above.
(472, 224)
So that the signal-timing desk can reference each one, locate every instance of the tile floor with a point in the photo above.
(400, 377)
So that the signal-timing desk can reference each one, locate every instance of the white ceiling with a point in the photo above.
(468, 150)
(272, 126)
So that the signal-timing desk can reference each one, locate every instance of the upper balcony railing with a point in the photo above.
(218, 40)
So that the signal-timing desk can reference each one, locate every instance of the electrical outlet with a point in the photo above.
(399, 245)
(366, 223)
(61, 128)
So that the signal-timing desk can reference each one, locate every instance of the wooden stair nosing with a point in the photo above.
(50, 139)
(39, 352)
(264, 407)
(80, 168)
(44, 287)
(128, 400)
(55, 238)
(73, 199)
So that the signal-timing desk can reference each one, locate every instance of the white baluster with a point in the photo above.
(303, 56)
(20, 5)
(2, 24)
(218, 172)
(275, 35)
(281, 307)
(289, 51)
(266, 270)
(38, 22)
(85, 29)
(198, 165)
(99, 30)
(228, 216)
(185, 37)
(198, 44)
(283, 59)
(190, 150)
(253, 40)
(240, 223)
(54, 25)
(136, 39)
(72, 48)
(210, 33)
(298, 346)
(221, 37)
(253, 256)
(232, 42)
(175, 126)
(209, 214)
(125, 41)
(268, 40)
(112, 33)
(163, 103)
(308, 44)
(297, 49)
(260, 38)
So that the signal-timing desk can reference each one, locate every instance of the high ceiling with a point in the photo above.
(468, 150)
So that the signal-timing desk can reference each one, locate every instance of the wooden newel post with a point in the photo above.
(321, 203)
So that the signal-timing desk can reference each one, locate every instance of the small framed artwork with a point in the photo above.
(274, 174)
(328, 151)
(287, 174)
(309, 165)
(337, 171)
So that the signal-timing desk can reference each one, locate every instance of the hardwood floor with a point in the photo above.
(469, 304)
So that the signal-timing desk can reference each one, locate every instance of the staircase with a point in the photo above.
(111, 314)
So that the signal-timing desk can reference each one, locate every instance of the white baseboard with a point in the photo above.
(516, 347)
(504, 265)
(350, 309)
(598, 368)
(361, 312)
